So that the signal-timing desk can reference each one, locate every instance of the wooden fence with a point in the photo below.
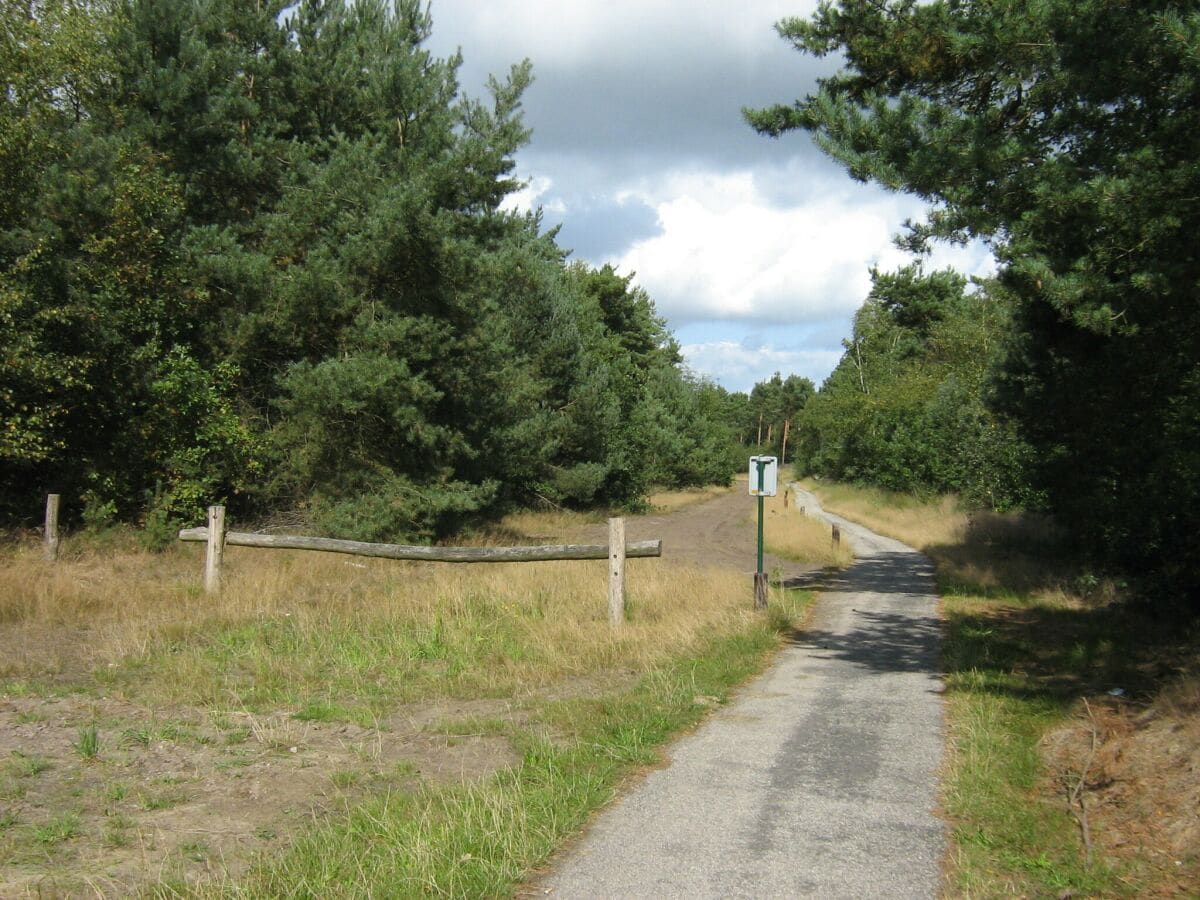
(616, 551)
(216, 538)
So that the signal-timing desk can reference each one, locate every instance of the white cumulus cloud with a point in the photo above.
(727, 251)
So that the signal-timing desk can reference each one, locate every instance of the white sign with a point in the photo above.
(770, 476)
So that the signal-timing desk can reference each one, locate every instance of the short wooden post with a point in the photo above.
(760, 590)
(785, 497)
(837, 536)
(50, 533)
(215, 549)
(616, 572)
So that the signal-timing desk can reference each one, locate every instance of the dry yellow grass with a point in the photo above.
(919, 523)
(539, 525)
(984, 551)
(549, 524)
(291, 622)
(790, 534)
(670, 501)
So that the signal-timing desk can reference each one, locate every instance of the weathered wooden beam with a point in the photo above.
(633, 549)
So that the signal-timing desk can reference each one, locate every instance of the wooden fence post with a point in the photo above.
(215, 549)
(50, 533)
(616, 572)
(837, 536)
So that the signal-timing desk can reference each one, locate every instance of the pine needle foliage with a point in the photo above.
(260, 254)
(1064, 133)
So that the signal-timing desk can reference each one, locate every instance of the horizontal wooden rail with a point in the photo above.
(633, 549)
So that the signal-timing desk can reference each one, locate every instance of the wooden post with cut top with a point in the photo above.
(50, 532)
(616, 572)
(215, 549)
(837, 536)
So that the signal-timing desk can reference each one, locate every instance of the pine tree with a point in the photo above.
(1065, 133)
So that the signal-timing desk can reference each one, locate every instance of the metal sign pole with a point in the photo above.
(760, 577)
(761, 466)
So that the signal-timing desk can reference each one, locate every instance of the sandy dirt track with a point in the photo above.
(718, 533)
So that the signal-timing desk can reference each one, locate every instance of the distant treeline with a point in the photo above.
(256, 253)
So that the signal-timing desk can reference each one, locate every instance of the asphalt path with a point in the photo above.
(820, 777)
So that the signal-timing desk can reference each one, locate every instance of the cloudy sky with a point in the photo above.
(755, 250)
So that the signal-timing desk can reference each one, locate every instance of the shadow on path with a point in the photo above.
(887, 572)
(887, 634)
(884, 642)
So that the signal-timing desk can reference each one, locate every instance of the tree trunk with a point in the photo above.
(862, 381)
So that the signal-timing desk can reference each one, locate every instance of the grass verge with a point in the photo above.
(1074, 718)
(481, 840)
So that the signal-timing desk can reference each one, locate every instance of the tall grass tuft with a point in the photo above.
(88, 745)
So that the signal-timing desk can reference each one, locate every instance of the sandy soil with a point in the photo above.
(187, 793)
(719, 533)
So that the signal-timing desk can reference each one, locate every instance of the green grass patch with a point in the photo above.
(345, 778)
(348, 670)
(28, 765)
(482, 839)
(171, 796)
(170, 732)
(116, 833)
(195, 851)
(88, 744)
(61, 828)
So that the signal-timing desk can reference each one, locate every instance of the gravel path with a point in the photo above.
(819, 779)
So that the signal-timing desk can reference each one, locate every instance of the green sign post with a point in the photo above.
(762, 465)
(763, 479)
